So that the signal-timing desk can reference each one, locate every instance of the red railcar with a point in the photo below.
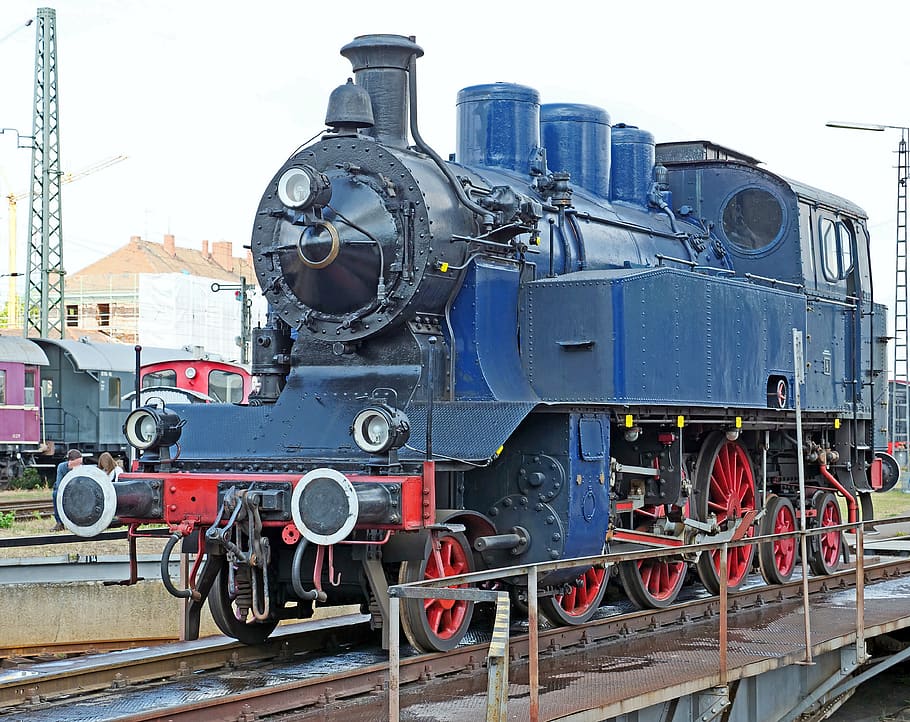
(204, 379)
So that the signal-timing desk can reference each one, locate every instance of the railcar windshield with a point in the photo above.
(165, 377)
(226, 386)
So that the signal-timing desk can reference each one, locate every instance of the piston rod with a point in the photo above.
(516, 541)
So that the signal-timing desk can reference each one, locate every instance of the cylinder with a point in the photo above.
(497, 126)
(632, 164)
(380, 65)
(577, 140)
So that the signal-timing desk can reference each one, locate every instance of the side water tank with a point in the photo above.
(497, 126)
(577, 139)
(632, 167)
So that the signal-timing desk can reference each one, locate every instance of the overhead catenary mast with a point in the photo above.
(44, 282)
(900, 414)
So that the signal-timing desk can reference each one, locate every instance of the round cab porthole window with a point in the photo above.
(752, 219)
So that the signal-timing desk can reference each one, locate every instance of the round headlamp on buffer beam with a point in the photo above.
(151, 428)
(380, 428)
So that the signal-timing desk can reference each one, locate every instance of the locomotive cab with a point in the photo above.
(786, 235)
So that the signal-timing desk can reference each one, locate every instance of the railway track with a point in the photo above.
(59, 538)
(53, 651)
(30, 509)
(33, 686)
(300, 680)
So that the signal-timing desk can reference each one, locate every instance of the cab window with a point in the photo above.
(752, 219)
(836, 240)
(113, 392)
(30, 387)
(2, 388)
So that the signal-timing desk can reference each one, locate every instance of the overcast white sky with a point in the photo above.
(208, 98)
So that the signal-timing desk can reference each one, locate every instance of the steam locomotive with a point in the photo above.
(564, 336)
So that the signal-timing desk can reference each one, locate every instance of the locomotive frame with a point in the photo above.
(566, 338)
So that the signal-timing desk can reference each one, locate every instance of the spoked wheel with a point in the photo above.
(777, 559)
(725, 486)
(652, 583)
(577, 605)
(228, 618)
(825, 549)
(437, 625)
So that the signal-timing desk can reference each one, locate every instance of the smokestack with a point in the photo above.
(380, 65)
(205, 249)
(170, 246)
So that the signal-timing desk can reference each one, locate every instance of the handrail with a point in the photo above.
(444, 588)
(773, 281)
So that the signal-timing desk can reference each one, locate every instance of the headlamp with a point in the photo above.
(379, 428)
(303, 186)
(149, 426)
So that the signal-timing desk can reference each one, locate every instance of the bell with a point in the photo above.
(349, 107)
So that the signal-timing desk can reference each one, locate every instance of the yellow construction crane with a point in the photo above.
(12, 298)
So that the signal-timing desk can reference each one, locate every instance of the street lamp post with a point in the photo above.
(898, 438)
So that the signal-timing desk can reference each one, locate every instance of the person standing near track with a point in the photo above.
(109, 466)
(73, 459)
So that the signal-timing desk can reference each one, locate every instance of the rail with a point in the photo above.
(47, 539)
(28, 509)
(497, 692)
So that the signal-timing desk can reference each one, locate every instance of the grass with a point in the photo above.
(887, 505)
(40, 494)
(891, 503)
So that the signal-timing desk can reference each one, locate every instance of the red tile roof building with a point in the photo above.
(159, 294)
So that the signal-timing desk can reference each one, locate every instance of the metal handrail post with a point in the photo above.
(799, 377)
(394, 659)
(861, 656)
(804, 554)
(533, 647)
(722, 634)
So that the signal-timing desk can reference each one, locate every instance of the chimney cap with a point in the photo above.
(381, 51)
